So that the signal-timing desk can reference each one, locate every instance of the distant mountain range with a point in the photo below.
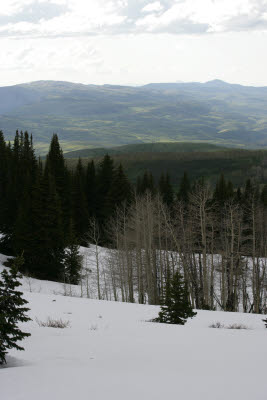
(110, 115)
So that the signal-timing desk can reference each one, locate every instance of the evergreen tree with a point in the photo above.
(21, 171)
(139, 186)
(105, 176)
(54, 239)
(56, 168)
(23, 231)
(264, 196)
(238, 196)
(223, 191)
(248, 192)
(146, 184)
(177, 308)
(121, 190)
(3, 180)
(184, 189)
(79, 204)
(90, 188)
(72, 260)
(12, 310)
(165, 189)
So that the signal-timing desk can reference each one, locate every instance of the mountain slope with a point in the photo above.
(112, 351)
(108, 115)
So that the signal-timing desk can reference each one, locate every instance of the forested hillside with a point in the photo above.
(160, 147)
(216, 236)
(93, 116)
(197, 159)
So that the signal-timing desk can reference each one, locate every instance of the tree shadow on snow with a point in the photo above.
(12, 362)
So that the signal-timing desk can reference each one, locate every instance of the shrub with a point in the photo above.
(217, 325)
(53, 323)
(237, 326)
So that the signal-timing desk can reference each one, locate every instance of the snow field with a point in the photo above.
(111, 352)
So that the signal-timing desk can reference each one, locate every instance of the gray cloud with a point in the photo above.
(183, 27)
(243, 23)
(34, 12)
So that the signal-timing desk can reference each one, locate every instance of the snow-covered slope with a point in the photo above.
(111, 352)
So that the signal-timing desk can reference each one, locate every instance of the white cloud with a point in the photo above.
(113, 41)
(41, 18)
(156, 6)
(208, 15)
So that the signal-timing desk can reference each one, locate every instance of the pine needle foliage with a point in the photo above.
(177, 307)
(12, 310)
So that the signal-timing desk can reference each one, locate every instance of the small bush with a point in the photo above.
(237, 326)
(93, 327)
(53, 323)
(265, 321)
(217, 325)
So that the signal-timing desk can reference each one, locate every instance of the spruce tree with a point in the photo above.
(148, 184)
(79, 204)
(105, 175)
(3, 180)
(73, 259)
(223, 191)
(165, 189)
(238, 196)
(184, 189)
(90, 188)
(54, 237)
(12, 310)
(120, 191)
(56, 168)
(264, 196)
(177, 307)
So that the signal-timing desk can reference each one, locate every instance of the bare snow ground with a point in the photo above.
(110, 352)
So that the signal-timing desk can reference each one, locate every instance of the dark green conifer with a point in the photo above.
(54, 239)
(177, 307)
(12, 310)
(264, 195)
(146, 184)
(184, 189)
(90, 188)
(79, 204)
(3, 180)
(121, 190)
(165, 189)
(105, 175)
(55, 167)
(72, 259)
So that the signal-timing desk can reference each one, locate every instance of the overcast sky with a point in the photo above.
(133, 41)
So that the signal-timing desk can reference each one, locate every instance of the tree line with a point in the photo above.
(45, 207)
(216, 236)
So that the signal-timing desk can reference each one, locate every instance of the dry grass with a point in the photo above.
(53, 323)
(219, 325)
